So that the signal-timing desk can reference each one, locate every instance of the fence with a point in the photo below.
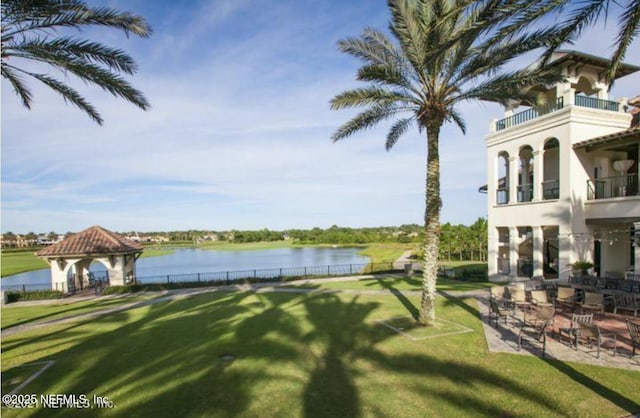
(227, 277)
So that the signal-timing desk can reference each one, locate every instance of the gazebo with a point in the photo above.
(77, 252)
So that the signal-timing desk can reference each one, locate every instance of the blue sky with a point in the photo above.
(238, 133)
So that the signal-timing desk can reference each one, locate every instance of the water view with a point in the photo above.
(195, 260)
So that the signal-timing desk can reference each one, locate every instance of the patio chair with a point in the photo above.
(573, 330)
(540, 298)
(590, 334)
(496, 313)
(634, 332)
(497, 293)
(518, 299)
(566, 297)
(593, 302)
(534, 332)
(625, 302)
(541, 314)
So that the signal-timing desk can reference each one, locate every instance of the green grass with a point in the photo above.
(306, 355)
(14, 262)
(18, 315)
(398, 282)
(385, 252)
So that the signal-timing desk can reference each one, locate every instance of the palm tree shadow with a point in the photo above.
(406, 302)
(595, 386)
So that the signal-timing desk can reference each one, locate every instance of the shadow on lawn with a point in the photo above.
(597, 387)
(58, 313)
(388, 284)
(295, 354)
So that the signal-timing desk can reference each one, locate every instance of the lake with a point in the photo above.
(187, 261)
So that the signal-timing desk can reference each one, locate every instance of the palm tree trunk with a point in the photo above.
(427, 314)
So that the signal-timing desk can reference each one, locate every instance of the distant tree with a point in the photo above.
(33, 30)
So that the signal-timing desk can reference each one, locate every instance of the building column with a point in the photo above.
(538, 174)
(636, 250)
(538, 251)
(514, 239)
(514, 163)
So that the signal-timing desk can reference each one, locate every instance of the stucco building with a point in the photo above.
(563, 178)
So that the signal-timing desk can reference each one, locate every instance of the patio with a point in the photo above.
(504, 338)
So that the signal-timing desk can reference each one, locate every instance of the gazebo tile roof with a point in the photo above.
(93, 240)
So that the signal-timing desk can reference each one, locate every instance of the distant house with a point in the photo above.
(563, 178)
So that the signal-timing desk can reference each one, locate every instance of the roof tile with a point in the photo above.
(94, 240)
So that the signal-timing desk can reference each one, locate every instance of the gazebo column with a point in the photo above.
(58, 274)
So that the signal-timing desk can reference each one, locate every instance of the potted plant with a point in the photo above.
(580, 267)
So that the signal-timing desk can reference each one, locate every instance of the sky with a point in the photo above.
(238, 134)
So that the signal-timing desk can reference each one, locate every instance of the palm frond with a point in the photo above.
(367, 96)
(365, 120)
(629, 24)
(18, 85)
(397, 130)
(30, 32)
(62, 50)
(70, 95)
(456, 117)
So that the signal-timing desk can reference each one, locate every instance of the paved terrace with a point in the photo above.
(502, 339)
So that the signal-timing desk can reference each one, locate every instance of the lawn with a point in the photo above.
(399, 282)
(14, 262)
(252, 354)
(13, 315)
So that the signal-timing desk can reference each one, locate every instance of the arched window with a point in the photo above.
(502, 179)
(525, 175)
(551, 170)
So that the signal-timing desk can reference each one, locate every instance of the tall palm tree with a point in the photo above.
(33, 30)
(444, 53)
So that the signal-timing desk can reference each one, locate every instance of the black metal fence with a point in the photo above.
(227, 277)
(269, 273)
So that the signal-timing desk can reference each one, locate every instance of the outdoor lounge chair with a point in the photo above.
(593, 302)
(518, 299)
(566, 297)
(634, 332)
(573, 330)
(626, 302)
(534, 332)
(540, 298)
(497, 293)
(591, 335)
(496, 312)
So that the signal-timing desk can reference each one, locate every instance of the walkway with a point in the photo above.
(502, 339)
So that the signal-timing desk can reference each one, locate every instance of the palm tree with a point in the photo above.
(33, 31)
(445, 54)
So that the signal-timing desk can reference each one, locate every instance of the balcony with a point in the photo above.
(529, 114)
(610, 187)
(535, 112)
(525, 193)
(502, 195)
(551, 189)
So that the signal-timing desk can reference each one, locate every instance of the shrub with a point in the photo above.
(14, 296)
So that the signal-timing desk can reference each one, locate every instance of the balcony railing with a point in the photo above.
(525, 193)
(551, 189)
(534, 112)
(529, 114)
(502, 195)
(594, 103)
(609, 187)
